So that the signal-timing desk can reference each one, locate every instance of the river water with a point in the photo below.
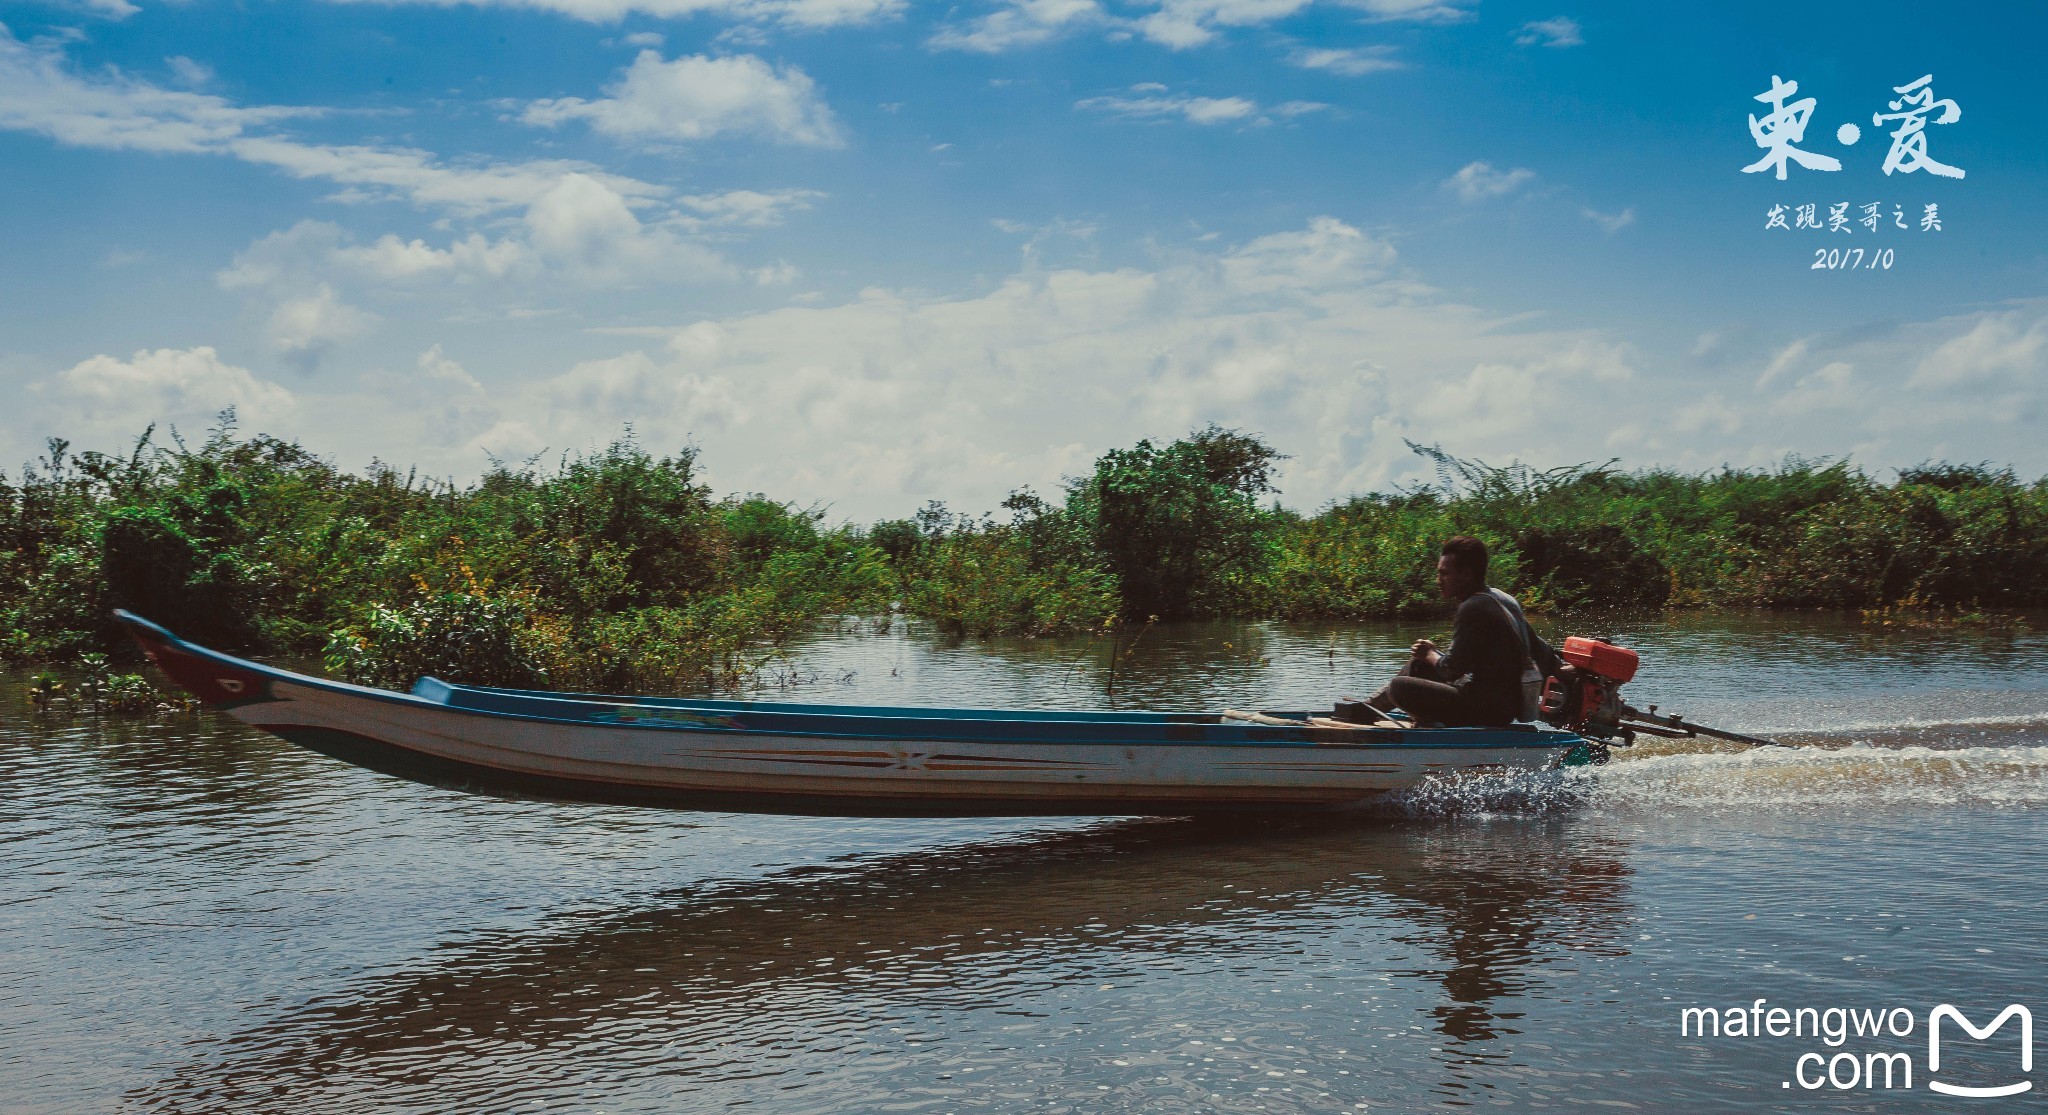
(196, 917)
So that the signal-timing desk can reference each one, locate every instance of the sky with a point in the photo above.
(862, 254)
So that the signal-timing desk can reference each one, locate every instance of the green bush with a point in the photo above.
(153, 567)
(981, 580)
(454, 636)
(1179, 526)
(617, 569)
(1156, 532)
(1599, 566)
(1368, 557)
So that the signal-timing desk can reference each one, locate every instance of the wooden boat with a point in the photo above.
(838, 760)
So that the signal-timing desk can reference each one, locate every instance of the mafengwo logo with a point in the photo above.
(1862, 1069)
(1934, 1019)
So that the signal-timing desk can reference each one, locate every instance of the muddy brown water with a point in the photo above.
(198, 917)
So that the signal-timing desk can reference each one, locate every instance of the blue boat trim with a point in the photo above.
(477, 696)
(880, 722)
(992, 725)
(854, 723)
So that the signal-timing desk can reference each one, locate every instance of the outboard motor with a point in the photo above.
(1586, 696)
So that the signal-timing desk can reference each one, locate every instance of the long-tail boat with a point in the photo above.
(844, 760)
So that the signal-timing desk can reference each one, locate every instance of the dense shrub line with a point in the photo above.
(1180, 531)
(612, 570)
(618, 570)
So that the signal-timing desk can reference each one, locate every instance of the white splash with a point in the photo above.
(1858, 774)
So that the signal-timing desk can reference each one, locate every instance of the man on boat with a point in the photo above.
(1493, 673)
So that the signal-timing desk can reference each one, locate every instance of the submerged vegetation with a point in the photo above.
(618, 570)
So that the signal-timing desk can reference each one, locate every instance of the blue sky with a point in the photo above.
(870, 252)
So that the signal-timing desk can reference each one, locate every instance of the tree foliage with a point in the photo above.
(619, 569)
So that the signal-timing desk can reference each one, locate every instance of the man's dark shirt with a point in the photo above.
(1491, 644)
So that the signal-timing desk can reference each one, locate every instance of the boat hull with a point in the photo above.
(844, 761)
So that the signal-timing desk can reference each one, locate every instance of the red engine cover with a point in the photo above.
(1616, 664)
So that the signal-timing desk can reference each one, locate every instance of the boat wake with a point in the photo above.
(1980, 763)
(1863, 773)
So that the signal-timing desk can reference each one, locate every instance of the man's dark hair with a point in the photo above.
(1468, 554)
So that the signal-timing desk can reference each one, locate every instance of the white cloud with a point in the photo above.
(1154, 103)
(579, 219)
(116, 112)
(1785, 359)
(591, 232)
(392, 260)
(1478, 181)
(1610, 223)
(1179, 24)
(271, 258)
(750, 208)
(1313, 336)
(189, 72)
(1829, 387)
(1709, 412)
(302, 331)
(1018, 23)
(107, 9)
(297, 258)
(1308, 335)
(1194, 110)
(1327, 255)
(819, 14)
(1997, 346)
(1558, 32)
(428, 412)
(1412, 11)
(384, 172)
(534, 220)
(697, 97)
(435, 366)
(1350, 62)
(109, 397)
(1176, 25)
(113, 112)
(798, 14)
(1965, 387)
(580, 231)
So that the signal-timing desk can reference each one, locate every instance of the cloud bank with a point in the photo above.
(1316, 338)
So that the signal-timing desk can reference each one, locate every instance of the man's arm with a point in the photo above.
(1546, 658)
(1472, 636)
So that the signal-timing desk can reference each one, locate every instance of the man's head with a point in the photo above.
(1461, 571)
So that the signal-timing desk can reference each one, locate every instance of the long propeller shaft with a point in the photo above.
(1679, 727)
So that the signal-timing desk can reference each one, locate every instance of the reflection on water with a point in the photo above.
(194, 917)
(676, 986)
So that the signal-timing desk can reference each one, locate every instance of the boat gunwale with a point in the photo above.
(909, 712)
(1523, 737)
